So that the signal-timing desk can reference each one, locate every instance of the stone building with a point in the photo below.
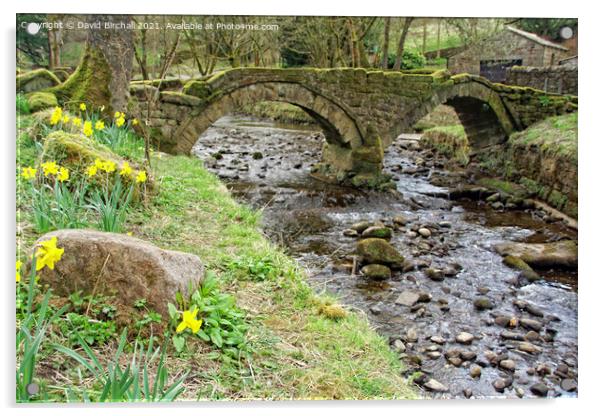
(511, 47)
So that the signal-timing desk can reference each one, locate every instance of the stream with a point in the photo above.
(524, 346)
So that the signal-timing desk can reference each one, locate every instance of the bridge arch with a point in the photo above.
(339, 126)
(481, 111)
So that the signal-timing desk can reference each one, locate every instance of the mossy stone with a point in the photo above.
(376, 271)
(41, 100)
(379, 251)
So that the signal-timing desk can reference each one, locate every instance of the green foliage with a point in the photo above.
(76, 327)
(35, 48)
(121, 140)
(409, 60)
(547, 27)
(112, 205)
(123, 384)
(223, 323)
(251, 268)
(22, 105)
(31, 332)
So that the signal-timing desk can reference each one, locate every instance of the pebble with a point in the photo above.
(475, 371)
(434, 274)
(514, 336)
(437, 339)
(500, 384)
(412, 234)
(468, 355)
(435, 386)
(531, 324)
(399, 346)
(464, 338)
(407, 298)
(529, 348)
(568, 384)
(433, 355)
(482, 303)
(540, 389)
(520, 392)
(424, 232)
(411, 335)
(509, 365)
(467, 393)
(350, 233)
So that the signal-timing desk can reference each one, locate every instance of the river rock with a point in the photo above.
(436, 386)
(437, 339)
(399, 346)
(464, 338)
(424, 232)
(543, 255)
(500, 384)
(475, 371)
(509, 365)
(361, 226)
(540, 389)
(376, 271)
(531, 324)
(434, 274)
(407, 298)
(400, 220)
(482, 303)
(379, 251)
(512, 335)
(529, 348)
(377, 232)
(350, 233)
(568, 384)
(411, 335)
(117, 264)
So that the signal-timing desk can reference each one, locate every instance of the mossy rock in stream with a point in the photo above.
(379, 251)
(376, 271)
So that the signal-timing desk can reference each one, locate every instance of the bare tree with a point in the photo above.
(402, 40)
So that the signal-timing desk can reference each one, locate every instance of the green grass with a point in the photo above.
(554, 135)
(450, 141)
(300, 353)
(297, 350)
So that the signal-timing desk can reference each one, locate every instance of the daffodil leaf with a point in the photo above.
(179, 343)
(216, 337)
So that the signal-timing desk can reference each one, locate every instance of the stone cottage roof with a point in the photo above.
(535, 38)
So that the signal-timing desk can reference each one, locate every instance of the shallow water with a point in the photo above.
(308, 217)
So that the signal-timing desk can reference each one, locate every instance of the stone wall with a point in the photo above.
(558, 79)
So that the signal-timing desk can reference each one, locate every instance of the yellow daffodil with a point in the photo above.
(129, 233)
(141, 177)
(98, 163)
(19, 264)
(63, 174)
(66, 119)
(50, 168)
(56, 116)
(48, 254)
(99, 125)
(76, 121)
(126, 169)
(120, 121)
(135, 122)
(91, 170)
(82, 107)
(88, 128)
(118, 114)
(108, 166)
(189, 321)
(28, 173)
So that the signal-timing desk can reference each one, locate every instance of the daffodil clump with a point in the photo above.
(46, 254)
(125, 170)
(88, 122)
(49, 169)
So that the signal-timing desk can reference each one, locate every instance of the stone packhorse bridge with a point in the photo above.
(360, 111)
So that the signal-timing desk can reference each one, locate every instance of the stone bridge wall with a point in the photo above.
(360, 111)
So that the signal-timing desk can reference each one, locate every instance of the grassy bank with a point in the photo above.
(301, 345)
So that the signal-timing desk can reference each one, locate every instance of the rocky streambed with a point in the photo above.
(468, 317)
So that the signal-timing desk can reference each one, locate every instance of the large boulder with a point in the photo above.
(544, 255)
(379, 251)
(117, 264)
(41, 100)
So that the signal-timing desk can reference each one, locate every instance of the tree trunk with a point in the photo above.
(438, 38)
(103, 76)
(424, 33)
(384, 63)
(402, 40)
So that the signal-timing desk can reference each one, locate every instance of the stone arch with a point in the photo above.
(340, 128)
(480, 110)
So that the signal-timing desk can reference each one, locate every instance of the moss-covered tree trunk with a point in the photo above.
(103, 75)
